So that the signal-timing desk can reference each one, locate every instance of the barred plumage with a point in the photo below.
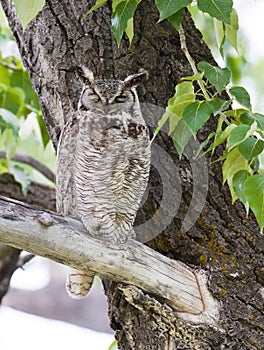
(103, 163)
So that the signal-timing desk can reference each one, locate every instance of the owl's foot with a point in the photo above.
(78, 283)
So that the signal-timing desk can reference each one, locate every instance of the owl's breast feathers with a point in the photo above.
(113, 128)
(126, 130)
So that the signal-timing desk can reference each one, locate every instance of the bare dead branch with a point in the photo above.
(65, 240)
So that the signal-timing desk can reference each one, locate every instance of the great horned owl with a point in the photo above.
(103, 164)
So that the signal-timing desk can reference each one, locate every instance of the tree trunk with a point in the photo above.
(223, 242)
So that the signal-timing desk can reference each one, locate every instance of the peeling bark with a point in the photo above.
(223, 241)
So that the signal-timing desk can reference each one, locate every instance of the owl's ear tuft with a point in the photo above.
(85, 74)
(136, 79)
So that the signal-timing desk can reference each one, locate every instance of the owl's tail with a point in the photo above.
(78, 283)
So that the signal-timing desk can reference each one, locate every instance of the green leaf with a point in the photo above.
(219, 77)
(130, 29)
(169, 7)
(251, 147)
(254, 193)
(259, 118)
(203, 144)
(123, 12)
(219, 32)
(241, 95)
(176, 19)
(4, 76)
(115, 3)
(44, 132)
(174, 119)
(220, 9)
(176, 110)
(238, 185)
(21, 176)
(3, 166)
(261, 163)
(223, 135)
(232, 29)
(234, 163)
(217, 134)
(219, 105)
(20, 78)
(184, 88)
(98, 4)
(8, 119)
(113, 346)
(161, 122)
(184, 94)
(250, 118)
(196, 114)
(239, 134)
(28, 9)
(10, 143)
(15, 98)
(194, 77)
(236, 113)
(181, 137)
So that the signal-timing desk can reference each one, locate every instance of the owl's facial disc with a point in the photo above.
(107, 95)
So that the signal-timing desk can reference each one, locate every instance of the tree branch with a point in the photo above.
(23, 158)
(38, 194)
(65, 240)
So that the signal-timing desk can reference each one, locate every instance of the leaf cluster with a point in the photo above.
(21, 125)
(239, 130)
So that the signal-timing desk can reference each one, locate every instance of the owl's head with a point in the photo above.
(108, 94)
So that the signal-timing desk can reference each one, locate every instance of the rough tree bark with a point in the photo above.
(223, 241)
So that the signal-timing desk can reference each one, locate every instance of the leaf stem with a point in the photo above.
(9, 66)
(191, 60)
(193, 66)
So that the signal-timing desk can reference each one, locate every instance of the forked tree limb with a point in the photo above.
(65, 240)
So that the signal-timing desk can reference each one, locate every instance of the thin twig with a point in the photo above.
(191, 61)
(193, 66)
(9, 66)
(22, 158)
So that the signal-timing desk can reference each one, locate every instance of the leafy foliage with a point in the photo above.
(22, 129)
(196, 114)
(219, 77)
(241, 95)
(122, 13)
(254, 194)
(28, 9)
(220, 9)
(240, 130)
(168, 8)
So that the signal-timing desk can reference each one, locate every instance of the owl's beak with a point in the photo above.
(107, 106)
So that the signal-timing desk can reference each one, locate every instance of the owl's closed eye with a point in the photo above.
(101, 93)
